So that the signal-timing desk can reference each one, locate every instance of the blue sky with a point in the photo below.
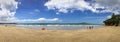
(74, 11)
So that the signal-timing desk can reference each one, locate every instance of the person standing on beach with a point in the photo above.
(90, 27)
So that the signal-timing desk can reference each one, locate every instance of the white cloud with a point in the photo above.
(66, 6)
(36, 11)
(109, 16)
(44, 19)
(38, 20)
(15, 20)
(109, 5)
(7, 9)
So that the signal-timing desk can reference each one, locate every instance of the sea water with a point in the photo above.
(57, 26)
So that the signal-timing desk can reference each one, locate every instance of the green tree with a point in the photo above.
(113, 21)
(113, 16)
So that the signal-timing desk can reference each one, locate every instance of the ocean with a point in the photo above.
(58, 26)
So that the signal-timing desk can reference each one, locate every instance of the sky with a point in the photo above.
(57, 11)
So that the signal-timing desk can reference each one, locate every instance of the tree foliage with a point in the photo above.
(113, 21)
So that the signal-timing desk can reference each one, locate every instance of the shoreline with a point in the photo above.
(60, 27)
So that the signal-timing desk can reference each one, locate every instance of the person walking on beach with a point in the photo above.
(92, 27)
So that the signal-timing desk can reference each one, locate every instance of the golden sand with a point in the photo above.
(15, 34)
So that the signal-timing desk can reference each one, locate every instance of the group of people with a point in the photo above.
(90, 27)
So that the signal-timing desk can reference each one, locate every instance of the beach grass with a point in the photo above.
(16, 34)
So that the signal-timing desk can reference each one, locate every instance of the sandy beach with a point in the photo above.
(15, 34)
